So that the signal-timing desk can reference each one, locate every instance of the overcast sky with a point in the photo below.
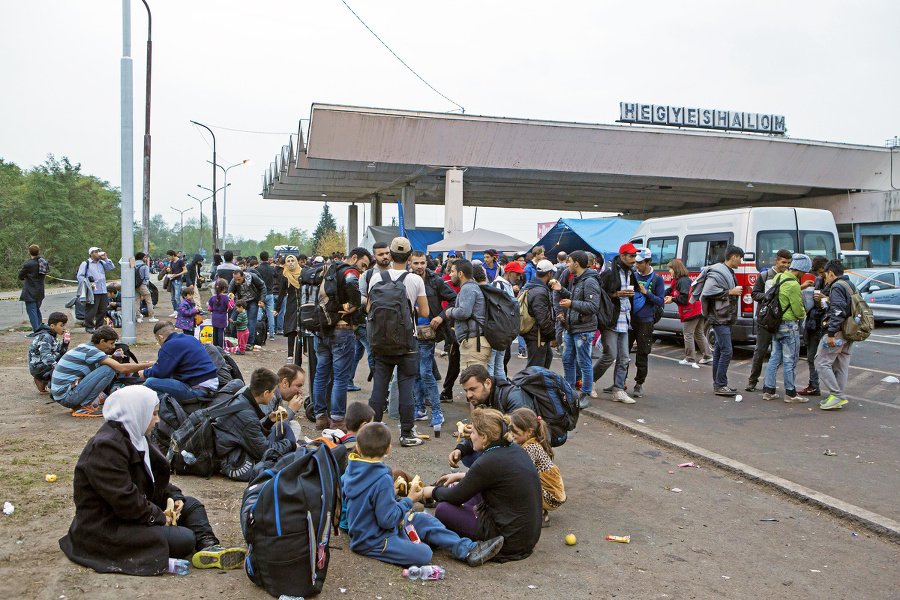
(830, 67)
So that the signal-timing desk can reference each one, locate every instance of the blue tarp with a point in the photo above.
(422, 238)
(600, 236)
(419, 238)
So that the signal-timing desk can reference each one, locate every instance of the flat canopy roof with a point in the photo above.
(353, 153)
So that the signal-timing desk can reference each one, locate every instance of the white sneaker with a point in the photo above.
(705, 361)
(621, 396)
(685, 362)
(695, 365)
(594, 394)
(153, 319)
(140, 320)
(174, 314)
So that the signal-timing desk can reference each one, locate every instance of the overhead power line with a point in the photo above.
(402, 61)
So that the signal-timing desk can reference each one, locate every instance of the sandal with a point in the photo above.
(545, 521)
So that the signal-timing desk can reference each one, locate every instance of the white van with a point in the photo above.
(700, 239)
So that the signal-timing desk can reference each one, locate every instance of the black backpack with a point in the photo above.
(501, 317)
(389, 324)
(318, 310)
(285, 517)
(770, 312)
(137, 277)
(192, 449)
(553, 399)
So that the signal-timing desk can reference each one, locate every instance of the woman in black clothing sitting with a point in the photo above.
(499, 495)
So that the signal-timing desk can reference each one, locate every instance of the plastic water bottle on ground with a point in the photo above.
(426, 572)
(286, 597)
(178, 566)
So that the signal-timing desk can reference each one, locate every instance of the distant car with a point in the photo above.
(879, 287)
(285, 250)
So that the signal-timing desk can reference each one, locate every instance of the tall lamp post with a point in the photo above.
(215, 219)
(213, 196)
(145, 220)
(126, 75)
(181, 213)
(225, 196)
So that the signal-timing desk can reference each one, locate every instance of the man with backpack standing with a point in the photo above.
(763, 284)
(92, 272)
(786, 341)
(391, 327)
(619, 283)
(833, 357)
(647, 306)
(468, 315)
(142, 289)
(32, 274)
(542, 335)
(813, 327)
(581, 302)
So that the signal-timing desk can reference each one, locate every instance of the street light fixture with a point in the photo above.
(181, 213)
(215, 220)
(145, 221)
(225, 194)
(213, 196)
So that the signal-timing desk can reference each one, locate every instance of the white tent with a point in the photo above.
(479, 240)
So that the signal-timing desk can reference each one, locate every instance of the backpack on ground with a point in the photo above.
(389, 324)
(192, 449)
(770, 312)
(526, 320)
(501, 317)
(554, 400)
(860, 323)
(286, 515)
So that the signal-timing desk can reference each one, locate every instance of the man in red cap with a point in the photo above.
(619, 282)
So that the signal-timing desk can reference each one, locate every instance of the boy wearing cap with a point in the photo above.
(647, 300)
(786, 341)
(92, 272)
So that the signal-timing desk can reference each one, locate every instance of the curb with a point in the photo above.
(883, 526)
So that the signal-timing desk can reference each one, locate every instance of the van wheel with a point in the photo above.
(711, 338)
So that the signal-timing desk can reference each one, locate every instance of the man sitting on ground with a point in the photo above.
(289, 395)
(183, 368)
(85, 371)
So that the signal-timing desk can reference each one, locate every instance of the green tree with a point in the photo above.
(326, 224)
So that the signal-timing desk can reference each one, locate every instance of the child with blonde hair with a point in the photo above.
(530, 432)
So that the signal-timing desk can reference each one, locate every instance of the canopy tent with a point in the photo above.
(479, 240)
(419, 237)
(600, 236)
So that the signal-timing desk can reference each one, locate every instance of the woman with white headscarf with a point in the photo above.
(289, 288)
(121, 487)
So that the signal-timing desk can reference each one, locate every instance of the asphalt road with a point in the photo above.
(12, 312)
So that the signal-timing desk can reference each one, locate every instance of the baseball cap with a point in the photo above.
(451, 253)
(318, 259)
(401, 245)
(94, 249)
(490, 252)
(544, 266)
(627, 248)
(476, 263)
(513, 267)
(643, 254)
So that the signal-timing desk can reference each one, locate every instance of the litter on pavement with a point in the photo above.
(890, 379)
(830, 453)
(8, 508)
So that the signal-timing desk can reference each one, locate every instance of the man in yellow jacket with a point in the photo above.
(786, 341)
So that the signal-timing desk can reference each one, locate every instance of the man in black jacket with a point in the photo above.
(813, 329)
(581, 305)
(32, 274)
(249, 287)
(763, 284)
(833, 358)
(437, 290)
(267, 273)
(619, 282)
(542, 336)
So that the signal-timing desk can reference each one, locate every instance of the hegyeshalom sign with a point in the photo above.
(705, 118)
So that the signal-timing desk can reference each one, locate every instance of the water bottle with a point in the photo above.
(178, 566)
(837, 342)
(286, 597)
(66, 337)
(188, 457)
(426, 572)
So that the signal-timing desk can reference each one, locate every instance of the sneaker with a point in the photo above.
(705, 361)
(484, 551)
(352, 387)
(89, 330)
(217, 557)
(809, 391)
(725, 391)
(523, 355)
(751, 387)
(174, 314)
(795, 399)
(594, 394)
(438, 420)
(271, 336)
(584, 401)
(621, 396)
(39, 385)
(140, 320)
(685, 362)
(446, 396)
(407, 442)
(153, 320)
(610, 389)
(322, 422)
(833, 402)
(422, 416)
(768, 396)
(638, 391)
(88, 411)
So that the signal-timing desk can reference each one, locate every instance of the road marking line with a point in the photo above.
(856, 379)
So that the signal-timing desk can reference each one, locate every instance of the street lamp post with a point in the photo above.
(181, 213)
(213, 196)
(225, 196)
(145, 221)
(215, 221)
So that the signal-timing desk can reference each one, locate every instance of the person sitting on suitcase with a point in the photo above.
(386, 529)
(183, 368)
(243, 437)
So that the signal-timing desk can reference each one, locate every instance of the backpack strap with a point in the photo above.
(222, 411)
(326, 462)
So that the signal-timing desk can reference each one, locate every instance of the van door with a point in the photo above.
(700, 251)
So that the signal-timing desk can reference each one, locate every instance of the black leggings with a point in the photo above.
(193, 532)
(292, 340)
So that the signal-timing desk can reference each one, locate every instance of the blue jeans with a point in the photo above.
(400, 550)
(334, 357)
(786, 351)
(252, 317)
(279, 320)
(722, 355)
(179, 390)
(33, 309)
(495, 366)
(362, 347)
(175, 290)
(88, 388)
(520, 342)
(578, 350)
(270, 307)
(426, 385)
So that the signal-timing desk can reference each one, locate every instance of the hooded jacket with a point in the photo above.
(373, 513)
(438, 291)
(539, 306)
(838, 304)
(711, 288)
(45, 351)
(581, 317)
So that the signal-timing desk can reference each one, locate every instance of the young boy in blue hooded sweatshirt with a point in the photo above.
(389, 530)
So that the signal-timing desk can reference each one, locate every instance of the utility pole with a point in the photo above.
(145, 216)
(127, 173)
(215, 220)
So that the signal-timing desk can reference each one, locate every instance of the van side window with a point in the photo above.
(818, 243)
(770, 242)
(663, 250)
(704, 250)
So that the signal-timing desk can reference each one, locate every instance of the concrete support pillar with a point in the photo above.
(375, 211)
(453, 202)
(352, 227)
(408, 201)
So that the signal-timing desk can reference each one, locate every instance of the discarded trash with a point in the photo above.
(676, 490)
(688, 464)
(670, 472)
(770, 520)
(641, 421)
(426, 572)
(8, 508)
(725, 577)
(343, 590)
(571, 539)
(890, 379)
(624, 539)
(738, 398)
(853, 535)
(50, 477)
(532, 587)
(814, 571)
(830, 453)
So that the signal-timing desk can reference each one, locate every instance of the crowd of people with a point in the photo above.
(395, 306)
